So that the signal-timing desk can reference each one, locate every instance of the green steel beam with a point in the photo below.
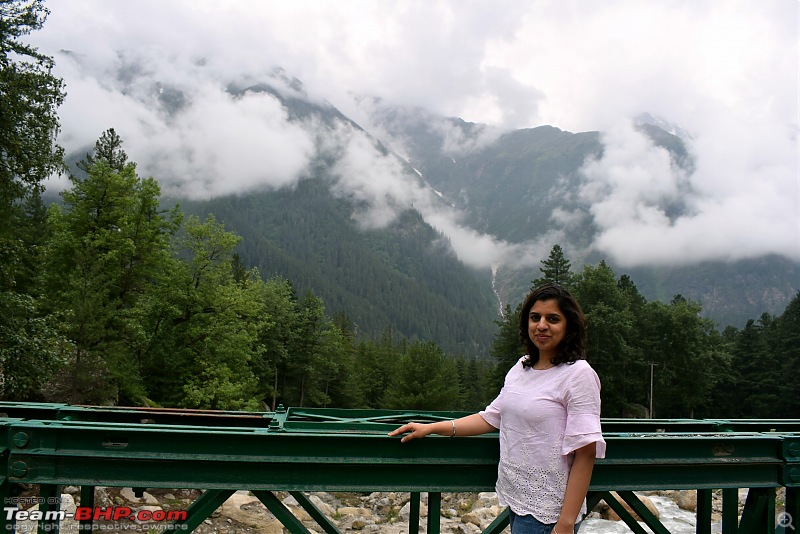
(87, 499)
(621, 425)
(133, 415)
(330, 418)
(348, 450)
(414, 513)
(641, 510)
(281, 513)
(50, 501)
(790, 452)
(30, 410)
(623, 513)
(205, 457)
(315, 513)
(202, 508)
(759, 511)
(703, 513)
(434, 511)
(730, 511)
(499, 524)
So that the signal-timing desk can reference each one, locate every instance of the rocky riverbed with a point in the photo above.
(463, 513)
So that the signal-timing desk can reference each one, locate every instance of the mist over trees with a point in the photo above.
(108, 297)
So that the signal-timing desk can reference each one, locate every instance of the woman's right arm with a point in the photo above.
(471, 425)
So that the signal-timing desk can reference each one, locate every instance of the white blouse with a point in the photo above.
(543, 417)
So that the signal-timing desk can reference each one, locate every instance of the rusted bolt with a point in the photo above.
(18, 469)
(21, 439)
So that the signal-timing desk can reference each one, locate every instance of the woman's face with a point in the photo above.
(547, 327)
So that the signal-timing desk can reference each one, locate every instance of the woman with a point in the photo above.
(548, 414)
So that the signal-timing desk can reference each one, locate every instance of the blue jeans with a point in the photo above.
(527, 524)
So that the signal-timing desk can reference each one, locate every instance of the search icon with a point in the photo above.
(785, 520)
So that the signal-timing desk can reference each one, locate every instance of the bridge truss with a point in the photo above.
(305, 450)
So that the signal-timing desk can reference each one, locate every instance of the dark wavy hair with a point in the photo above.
(573, 347)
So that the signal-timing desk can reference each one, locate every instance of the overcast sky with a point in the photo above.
(725, 71)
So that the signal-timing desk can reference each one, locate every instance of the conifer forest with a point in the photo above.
(112, 294)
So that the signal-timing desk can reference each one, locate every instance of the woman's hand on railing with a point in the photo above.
(415, 430)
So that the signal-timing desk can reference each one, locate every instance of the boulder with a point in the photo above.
(128, 495)
(352, 511)
(405, 512)
(322, 506)
(150, 499)
(686, 500)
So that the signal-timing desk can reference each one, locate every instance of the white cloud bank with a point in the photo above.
(725, 71)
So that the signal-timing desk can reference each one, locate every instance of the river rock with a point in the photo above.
(149, 499)
(405, 511)
(128, 495)
(248, 511)
(354, 512)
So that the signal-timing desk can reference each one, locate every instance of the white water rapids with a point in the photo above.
(676, 520)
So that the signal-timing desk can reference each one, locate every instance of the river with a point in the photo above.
(676, 520)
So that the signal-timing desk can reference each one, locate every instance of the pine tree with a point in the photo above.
(109, 242)
(29, 98)
(109, 149)
(556, 268)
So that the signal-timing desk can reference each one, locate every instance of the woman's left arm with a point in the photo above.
(577, 486)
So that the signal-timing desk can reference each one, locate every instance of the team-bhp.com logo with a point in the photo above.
(86, 513)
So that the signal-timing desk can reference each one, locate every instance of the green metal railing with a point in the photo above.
(300, 450)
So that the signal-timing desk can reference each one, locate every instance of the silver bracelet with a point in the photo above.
(454, 427)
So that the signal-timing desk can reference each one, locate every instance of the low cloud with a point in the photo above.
(158, 72)
(736, 205)
(377, 183)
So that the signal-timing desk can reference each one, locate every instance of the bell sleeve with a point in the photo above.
(583, 412)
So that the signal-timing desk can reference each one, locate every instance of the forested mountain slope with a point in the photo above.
(516, 184)
(404, 277)
(520, 188)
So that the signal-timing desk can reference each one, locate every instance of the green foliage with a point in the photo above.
(507, 347)
(610, 327)
(425, 379)
(29, 348)
(29, 97)
(697, 372)
(118, 301)
(556, 268)
(402, 276)
(376, 364)
(107, 244)
(763, 364)
(201, 326)
(786, 347)
(477, 382)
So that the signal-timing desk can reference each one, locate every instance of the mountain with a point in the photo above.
(403, 278)
(511, 185)
(358, 228)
